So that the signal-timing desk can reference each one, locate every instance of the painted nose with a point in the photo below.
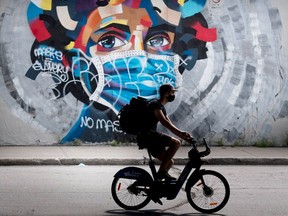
(137, 39)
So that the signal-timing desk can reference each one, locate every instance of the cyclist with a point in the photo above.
(161, 146)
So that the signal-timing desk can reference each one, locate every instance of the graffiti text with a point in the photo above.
(48, 52)
(108, 125)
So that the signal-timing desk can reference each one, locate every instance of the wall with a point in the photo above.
(66, 72)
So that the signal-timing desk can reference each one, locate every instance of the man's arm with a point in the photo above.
(165, 121)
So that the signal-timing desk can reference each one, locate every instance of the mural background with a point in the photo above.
(235, 96)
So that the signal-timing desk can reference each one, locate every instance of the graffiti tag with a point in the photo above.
(108, 125)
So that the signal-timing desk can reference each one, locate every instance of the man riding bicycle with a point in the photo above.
(161, 146)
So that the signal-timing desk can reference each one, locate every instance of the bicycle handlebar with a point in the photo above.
(204, 153)
(207, 150)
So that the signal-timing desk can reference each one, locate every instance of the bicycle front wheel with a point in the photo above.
(129, 193)
(212, 196)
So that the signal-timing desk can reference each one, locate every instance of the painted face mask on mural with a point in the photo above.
(124, 75)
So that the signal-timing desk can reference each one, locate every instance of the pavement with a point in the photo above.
(131, 155)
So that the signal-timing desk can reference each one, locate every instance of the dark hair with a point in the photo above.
(165, 88)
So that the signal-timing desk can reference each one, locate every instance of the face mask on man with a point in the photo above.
(170, 98)
(124, 75)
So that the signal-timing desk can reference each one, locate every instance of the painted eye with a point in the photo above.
(110, 42)
(158, 41)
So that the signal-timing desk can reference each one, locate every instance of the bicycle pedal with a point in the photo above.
(157, 200)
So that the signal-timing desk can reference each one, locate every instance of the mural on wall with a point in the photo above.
(69, 66)
(106, 52)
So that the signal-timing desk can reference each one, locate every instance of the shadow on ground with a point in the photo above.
(152, 212)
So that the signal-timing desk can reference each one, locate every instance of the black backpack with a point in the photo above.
(132, 116)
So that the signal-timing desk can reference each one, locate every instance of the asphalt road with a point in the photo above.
(85, 190)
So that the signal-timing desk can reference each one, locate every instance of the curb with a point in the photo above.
(114, 162)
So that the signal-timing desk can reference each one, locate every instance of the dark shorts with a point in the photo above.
(154, 141)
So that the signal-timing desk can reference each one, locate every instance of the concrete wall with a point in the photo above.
(56, 85)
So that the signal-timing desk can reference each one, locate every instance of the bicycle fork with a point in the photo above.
(195, 177)
(207, 190)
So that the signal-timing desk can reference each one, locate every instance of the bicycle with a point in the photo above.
(207, 191)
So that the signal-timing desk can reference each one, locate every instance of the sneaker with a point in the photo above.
(166, 176)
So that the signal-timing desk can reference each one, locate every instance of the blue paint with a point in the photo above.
(33, 12)
(136, 76)
(192, 7)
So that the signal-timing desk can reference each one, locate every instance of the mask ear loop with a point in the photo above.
(100, 74)
(101, 81)
(179, 77)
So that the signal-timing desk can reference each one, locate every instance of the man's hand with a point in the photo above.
(186, 136)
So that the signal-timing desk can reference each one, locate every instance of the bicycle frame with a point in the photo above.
(171, 189)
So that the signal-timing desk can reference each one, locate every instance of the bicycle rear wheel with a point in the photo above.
(129, 193)
(212, 197)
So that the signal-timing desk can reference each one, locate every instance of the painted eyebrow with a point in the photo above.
(159, 29)
(113, 26)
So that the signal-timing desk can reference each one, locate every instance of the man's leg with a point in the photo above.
(167, 157)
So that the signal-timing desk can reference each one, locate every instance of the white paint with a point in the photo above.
(65, 19)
